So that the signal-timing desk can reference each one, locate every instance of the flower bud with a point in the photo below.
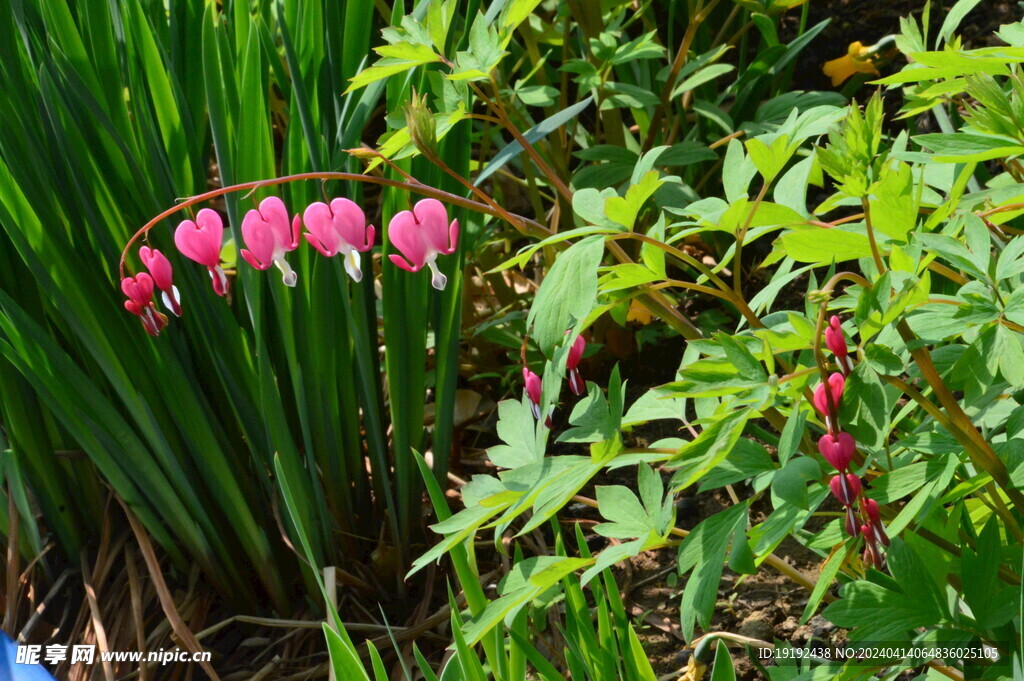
(869, 507)
(160, 270)
(572, 363)
(531, 382)
(139, 290)
(836, 383)
(851, 522)
(533, 392)
(421, 124)
(818, 297)
(871, 555)
(834, 337)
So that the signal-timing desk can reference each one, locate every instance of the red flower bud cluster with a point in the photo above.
(140, 288)
(532, 382)
(836, 342)
(838, 448)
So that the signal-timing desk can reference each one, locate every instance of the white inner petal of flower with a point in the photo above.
(288, 274)
(173, 300)
(438, 280)
(352, 265)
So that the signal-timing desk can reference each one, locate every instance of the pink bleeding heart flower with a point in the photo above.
(339, 228)
(870, 508)
(852, 527)
(200, 241)
(139, 290)
(268, 235)
(531, 382)
(846, 488)
(160, 269)
(836, 383)
(871, 555)
(532, 385)
(421, 235)
(837, 450)
(835, 339)
(572, 363)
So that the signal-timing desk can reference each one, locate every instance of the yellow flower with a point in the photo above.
(638, 313)
(858, 59)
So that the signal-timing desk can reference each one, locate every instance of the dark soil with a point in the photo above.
(766, 606)
(870, 20)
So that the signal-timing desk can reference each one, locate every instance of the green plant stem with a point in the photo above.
(690, 261)
(476, 191)
(707, 290)
(696, 19)
(664, 307)
(879, 263)
(964, 438)
(1013, 326)
(980, 450)
(737, 277)
(1010, 207)
(499, 111)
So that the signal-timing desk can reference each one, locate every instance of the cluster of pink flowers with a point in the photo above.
(420, 235)
(532, 382)
(838, 448)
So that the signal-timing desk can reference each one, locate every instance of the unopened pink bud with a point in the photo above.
(160, 269)
(871, 555)
(836, 383)
(576, 352)
(851, 522)
(572, 362)
(835, 339)
(870, 509)
(533, 390)
(139, 290)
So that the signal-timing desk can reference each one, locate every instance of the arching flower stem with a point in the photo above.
(535, 228)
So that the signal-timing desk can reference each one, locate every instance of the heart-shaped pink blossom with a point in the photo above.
(420, 235)
(837, 450)
(339, 228)
(139, 288)
(201, 240)
(268, 235)
(846, 488)
(836, 383)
